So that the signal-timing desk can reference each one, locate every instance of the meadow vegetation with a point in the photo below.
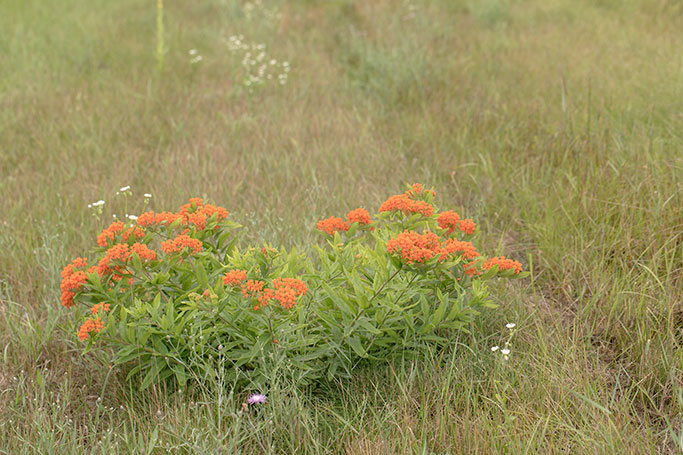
(556, 124)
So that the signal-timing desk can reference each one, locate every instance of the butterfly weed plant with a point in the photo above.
(174, 296)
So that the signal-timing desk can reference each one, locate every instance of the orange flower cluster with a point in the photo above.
(72, 280)
(416, 247)
(471, 269)
(264, 298)
(252, 287)
(468, 251)
(120, 253)
(234, 277)
(468, 226)
(406, 204)
(287, 290)
(108, 236)
(332, 225)
(181, 242)
(144, 252)
(152, 219)
(360, 216)
(134, 231)
(503, 263)
(194, 213)
(110, 233)
(91, 325)
(100, 306)
(418, 189)
(451, 221)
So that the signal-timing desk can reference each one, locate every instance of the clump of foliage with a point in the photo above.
(173, 294)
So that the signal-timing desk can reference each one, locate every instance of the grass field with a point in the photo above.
(556, 124)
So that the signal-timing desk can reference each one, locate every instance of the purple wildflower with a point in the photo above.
(256, 398)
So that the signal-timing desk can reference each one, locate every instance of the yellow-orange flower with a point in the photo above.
(72, 280)
(252, 287)
(503, 263)
(234, 277)
(135, 232)
(144, 252)
(110, 233)
(119, 253)
(181, 242)
(294, 283)
(449, 221)
(403, 203)
(468, 251)
(360, 216)
(467, 226)
(91, 325)
(332, 225)
(416, 247)
(100, 306)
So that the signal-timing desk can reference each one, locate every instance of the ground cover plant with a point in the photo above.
(555, 124)
(175, 295)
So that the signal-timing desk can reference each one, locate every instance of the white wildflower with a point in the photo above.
(125, 188)
(495, 348)
(511, 325)
(505, 351)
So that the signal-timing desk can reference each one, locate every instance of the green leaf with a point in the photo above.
(180, 374)
(149, 378)
(441, 311)
(356, 346)
(202, 278)
(363, 322)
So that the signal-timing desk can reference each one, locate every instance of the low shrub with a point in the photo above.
(173, 294)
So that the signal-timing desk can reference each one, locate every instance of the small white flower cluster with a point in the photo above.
(255, 9)
(124, 190)
(195, 57)
(96, 204)
(505, 351)
(259, 68)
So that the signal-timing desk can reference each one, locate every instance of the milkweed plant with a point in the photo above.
(173, 295)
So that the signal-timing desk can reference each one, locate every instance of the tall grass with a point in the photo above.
(556, 124)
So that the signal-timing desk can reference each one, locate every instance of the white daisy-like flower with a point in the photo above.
(511, 325)
(505, 351)
(125, 188)
(495, 348)
(132, 217)
(147, 195)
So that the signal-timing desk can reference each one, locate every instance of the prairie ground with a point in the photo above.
(556, 124)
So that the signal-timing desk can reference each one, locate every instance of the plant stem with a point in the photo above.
(160, 35)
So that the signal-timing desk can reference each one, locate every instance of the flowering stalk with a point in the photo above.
(160, 35)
